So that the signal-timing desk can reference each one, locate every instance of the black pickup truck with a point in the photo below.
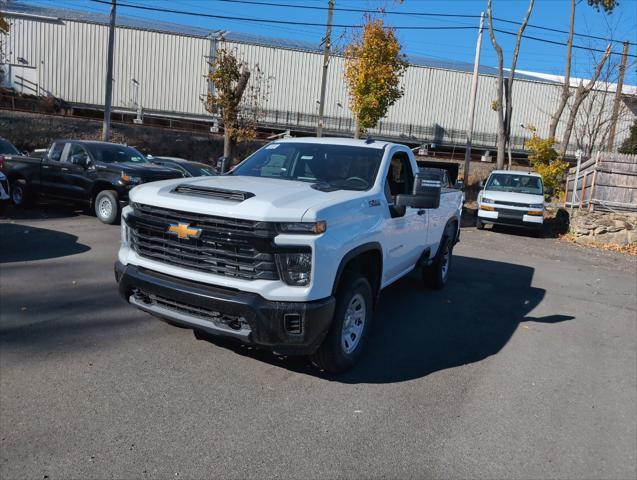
(96, 174)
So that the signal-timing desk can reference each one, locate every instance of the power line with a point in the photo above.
(420, 14)
(549, 29)
(354, 10)
(314, 24)
(271, 21)
(538, 39)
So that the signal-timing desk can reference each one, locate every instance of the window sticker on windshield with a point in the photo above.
(272, 146)
(307, 157)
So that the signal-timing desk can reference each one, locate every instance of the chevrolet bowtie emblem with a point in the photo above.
(184, 230)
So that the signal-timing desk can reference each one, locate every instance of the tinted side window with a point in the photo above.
(76, 154)
(56, 151)
(400, 176)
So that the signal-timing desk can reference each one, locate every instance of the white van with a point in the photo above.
(511, 197)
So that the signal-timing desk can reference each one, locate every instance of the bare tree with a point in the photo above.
(606, 6)
(581, 93)
(595, 117)
(505, 93)
(566, 86)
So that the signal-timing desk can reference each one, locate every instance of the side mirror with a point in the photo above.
(481, 183)
(83, 162)
(426, 193)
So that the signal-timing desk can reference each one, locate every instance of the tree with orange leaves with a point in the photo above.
(373, 69)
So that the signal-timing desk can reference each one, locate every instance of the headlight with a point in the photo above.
(295, 268)
(487, 200)
(303, 227)
(129, 179)
(536, 205)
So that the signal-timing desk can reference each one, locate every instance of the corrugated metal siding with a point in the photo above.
(70, 57)
(171, 68)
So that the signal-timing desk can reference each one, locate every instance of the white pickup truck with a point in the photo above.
(289, 250)
(512, 197)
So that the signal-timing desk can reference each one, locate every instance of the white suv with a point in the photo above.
(512, 197)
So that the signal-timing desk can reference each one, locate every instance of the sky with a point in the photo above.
(458, 44)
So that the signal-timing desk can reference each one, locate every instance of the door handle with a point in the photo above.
(45, 166)
(64, 169)
(421, 212)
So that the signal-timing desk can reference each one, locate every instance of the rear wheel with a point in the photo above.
(435, 275)
(351, 323)
(19, 192)
(107, 207)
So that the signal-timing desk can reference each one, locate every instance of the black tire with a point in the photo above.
(106, 207)
(435, 276)
(479, 224)
(19, 192)
(333, 355)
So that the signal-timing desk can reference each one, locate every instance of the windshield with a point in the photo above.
(7, 148)
(200, 170)
(339, 166)
(519, 183)
(110, 153)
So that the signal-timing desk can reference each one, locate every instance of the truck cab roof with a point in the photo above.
(350, 142)
(517, 172)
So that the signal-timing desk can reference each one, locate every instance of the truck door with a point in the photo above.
(77, 184)
(51, 170)
(405, 231)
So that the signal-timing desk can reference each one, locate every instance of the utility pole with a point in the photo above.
(618, 94)
(472, 101)
(326, 61)
(106, 130)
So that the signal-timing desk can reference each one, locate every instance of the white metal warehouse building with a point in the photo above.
(62, 53)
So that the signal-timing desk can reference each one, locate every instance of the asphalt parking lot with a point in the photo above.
(525, 366)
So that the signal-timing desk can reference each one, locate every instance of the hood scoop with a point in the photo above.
(324, 187)
(212, 192)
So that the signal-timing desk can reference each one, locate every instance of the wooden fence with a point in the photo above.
(607, 181)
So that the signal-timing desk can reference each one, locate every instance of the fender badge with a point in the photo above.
(374, 203)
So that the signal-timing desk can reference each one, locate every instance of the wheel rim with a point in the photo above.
(444, 265)
(17, 194)
(105, 208)
(354, 323)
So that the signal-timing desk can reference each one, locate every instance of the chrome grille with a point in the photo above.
(226, 246)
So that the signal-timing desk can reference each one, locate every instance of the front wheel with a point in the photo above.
(351, 323)
(19, 193)
(435, 275)
(479, 224)
(107, 207)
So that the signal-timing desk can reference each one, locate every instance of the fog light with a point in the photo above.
(295, 268)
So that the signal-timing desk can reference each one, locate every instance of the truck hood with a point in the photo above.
(270, 199)
(512, 197)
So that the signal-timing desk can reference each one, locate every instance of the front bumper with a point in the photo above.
(291, 328)
(511, 217)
